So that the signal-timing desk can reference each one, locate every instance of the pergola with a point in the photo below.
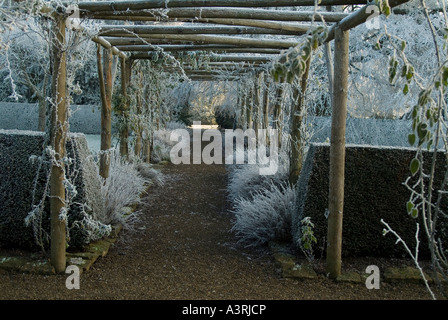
(220, 26)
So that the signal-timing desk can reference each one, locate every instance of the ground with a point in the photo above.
(182, 247)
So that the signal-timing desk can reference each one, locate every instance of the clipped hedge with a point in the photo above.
(374, 190)
(18, 193)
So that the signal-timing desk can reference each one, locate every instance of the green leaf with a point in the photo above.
(405, 89)
(409, 206)
(422, 130)
(403, 45)
(414, 112)
(415, 166)
(385, 8)
(411, 139)
(393, 69)
(445, 76)
(410, 73)
(430, 142)
(290, 77)
(404, 70)
(414, 213)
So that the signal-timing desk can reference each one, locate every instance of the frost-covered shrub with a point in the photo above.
(245, 180)
(149, 173)
(161, 146)
(122, 188)
(267, 216)
(172, 125)
(162, 143)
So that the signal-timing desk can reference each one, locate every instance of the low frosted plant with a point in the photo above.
(149, 173)
(266, 216)
(121, 189)
(162, 143)
(245, 180)
(173, 125)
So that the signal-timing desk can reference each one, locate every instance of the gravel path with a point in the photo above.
(182, 248)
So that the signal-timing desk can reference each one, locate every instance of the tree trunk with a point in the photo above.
(337, 154)
(296, 159)
(58, 132)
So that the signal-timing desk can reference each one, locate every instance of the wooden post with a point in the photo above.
(58, 133)
(249, 106)
(257, 103)
(148, 131)
(296, 160)
(106, 85)
(124, 130)
(139, 107)
(337, 153)
(277, 113)
(266, 108)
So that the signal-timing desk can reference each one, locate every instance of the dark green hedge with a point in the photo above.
(374, 190)
(17, 178)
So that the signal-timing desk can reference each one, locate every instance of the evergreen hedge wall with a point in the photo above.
(18, 192)
(374, 190)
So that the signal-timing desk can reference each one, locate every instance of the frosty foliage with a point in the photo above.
(245, 180)
(123, 188)
(266, 216)
(263, 205)
(162, 143)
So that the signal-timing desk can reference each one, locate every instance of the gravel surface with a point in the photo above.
(182, 247)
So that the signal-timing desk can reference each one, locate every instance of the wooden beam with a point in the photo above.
(241, 58)
(227, 13)
(211, 39)
(163, 4)
(218, 72)
(337, 153)
(203, 47)
(353, 20)
(141, 30)
(213, 78)
(358, 17)
(106, 44)
(295, 28)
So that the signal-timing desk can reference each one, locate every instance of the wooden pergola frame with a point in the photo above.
(179, 25)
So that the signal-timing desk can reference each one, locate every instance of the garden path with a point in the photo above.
(182, 247)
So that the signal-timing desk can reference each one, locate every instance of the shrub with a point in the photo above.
(245, 180)
(267, 216)
(123, 188)
(162, 143)
(374, 190)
